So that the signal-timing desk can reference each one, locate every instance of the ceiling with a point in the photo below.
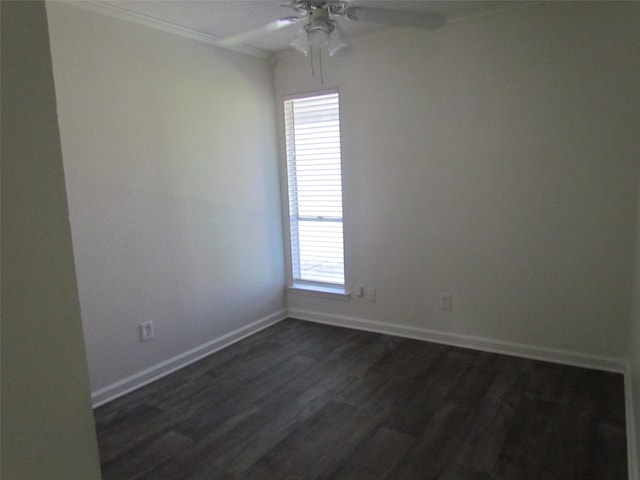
(224, 18)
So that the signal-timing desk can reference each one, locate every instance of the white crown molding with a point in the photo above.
(152, 22)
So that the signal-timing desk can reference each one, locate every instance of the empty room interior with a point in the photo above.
(162, 316)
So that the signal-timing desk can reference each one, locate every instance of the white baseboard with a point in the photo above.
(148, 375)
(632, 445)
(610, 364)
(577, 359)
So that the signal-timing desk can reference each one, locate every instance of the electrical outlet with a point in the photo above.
(446, 301)
(146, 331)
(371, 294)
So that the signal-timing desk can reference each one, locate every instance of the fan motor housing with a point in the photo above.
(332, 7)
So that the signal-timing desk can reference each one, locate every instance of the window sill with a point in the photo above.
(333, 293)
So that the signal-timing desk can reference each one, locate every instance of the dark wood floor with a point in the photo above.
(307, 401)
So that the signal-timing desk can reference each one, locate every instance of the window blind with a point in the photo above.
(312, 127)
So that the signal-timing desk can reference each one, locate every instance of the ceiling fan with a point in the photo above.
(320, 23)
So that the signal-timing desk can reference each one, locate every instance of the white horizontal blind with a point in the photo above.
(312, 126)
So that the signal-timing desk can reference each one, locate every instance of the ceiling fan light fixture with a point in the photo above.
(335, 42)
(301, 42)
(318, 33)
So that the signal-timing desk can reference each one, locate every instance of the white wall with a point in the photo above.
(634, 345)
(497, 159)
(47, 423)
(170, 159)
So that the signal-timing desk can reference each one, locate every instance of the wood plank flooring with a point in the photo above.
(307, 401)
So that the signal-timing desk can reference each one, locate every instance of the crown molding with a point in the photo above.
(152, 22)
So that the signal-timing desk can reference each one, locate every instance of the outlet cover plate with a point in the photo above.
(146, 331)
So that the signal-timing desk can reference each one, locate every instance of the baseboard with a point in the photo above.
(632, 445)
(610, 364)
(137, 380)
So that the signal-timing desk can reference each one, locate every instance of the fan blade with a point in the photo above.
(262, 30)
(428, 21)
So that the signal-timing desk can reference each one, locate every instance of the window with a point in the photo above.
(312, 128)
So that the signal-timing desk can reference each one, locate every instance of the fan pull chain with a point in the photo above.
(313, 71)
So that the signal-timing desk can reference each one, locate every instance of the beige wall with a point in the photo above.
(171, 166)
(47, 424)
(634, 343)
(497, 159)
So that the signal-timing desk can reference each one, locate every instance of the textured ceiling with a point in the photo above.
(223, 18)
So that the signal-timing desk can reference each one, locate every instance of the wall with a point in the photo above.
(497, 159)
(47, 424)
(633, 384)
(170, 160)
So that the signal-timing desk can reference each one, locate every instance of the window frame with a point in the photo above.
(296, 283)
